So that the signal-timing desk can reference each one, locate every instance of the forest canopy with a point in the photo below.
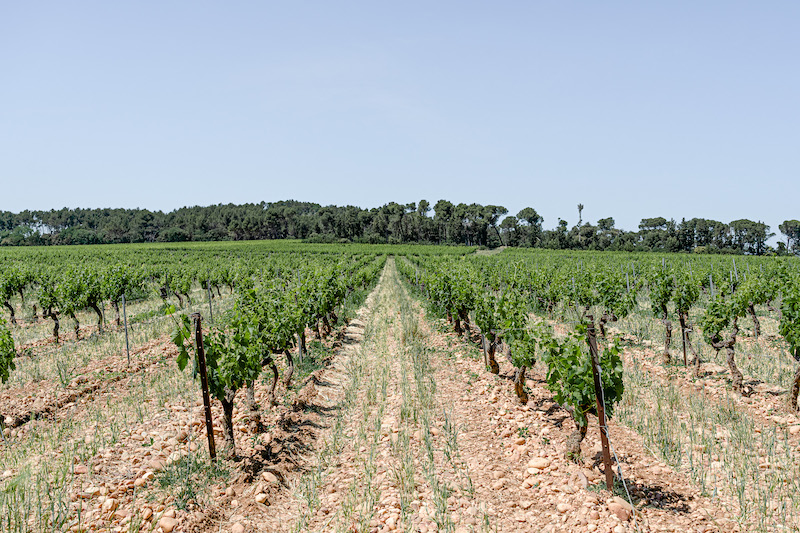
(393, 223)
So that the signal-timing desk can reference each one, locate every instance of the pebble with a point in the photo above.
(167, 524)
(261, 497)
(269, 477)
(238, 527)
(622, 509)
(539, 462)
(563, 507)
(110, 505)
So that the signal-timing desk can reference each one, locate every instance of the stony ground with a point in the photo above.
(402, 429)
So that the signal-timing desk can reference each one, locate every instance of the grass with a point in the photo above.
(42, 453)
(720, 446)
(187, 479)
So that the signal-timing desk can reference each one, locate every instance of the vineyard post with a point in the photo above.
(735, 272)
(210, 308)
(711, 282)
(125, 318)
(683, 330)
(201, 363)
(628, 281)
(601, 412)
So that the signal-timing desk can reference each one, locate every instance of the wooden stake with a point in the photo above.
(210, 309)
(601, 412)
(201, 360)
(125, 317)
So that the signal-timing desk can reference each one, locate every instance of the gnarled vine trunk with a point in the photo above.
(572, 448)
(271, 362)
(464, 314)
(751, 310)
(117, 320)
(97, 310)
(686, 329)
(10, 310)
(77, 326)
(494, 368)
(254, 414)
(227, 421)
(519, 385)
(56, 324)
(606, 317)
(287, 378)
(484, 347)
(665, 357)
(795, 390)
(730, 352)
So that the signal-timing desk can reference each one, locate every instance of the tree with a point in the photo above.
(750, 237)
(791, 229)
(533, 225)
(443, 215)
(509, 227)
(492, 214)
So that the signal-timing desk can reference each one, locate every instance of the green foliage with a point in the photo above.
(231, 358)
(721, 313)
(7, 352)
(512, 322)
(687, 291)
(570, 378)
(662, 286)
(790, 319)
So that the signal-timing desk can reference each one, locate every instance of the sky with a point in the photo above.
(634, 109)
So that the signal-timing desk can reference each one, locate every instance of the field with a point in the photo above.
(396, 388)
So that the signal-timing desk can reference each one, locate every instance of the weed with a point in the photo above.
(187, 479)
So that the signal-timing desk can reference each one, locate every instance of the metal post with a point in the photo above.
(683, 331)
(125, 318)
(210, 308)
(201, 360)
(628, 281)
(601, 412)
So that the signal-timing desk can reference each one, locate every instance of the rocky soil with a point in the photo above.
(401, 429)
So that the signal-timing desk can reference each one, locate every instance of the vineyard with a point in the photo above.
(281, 386)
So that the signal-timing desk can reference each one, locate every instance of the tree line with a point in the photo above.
(393, 223)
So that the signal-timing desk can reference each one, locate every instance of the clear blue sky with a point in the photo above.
(635, 109)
